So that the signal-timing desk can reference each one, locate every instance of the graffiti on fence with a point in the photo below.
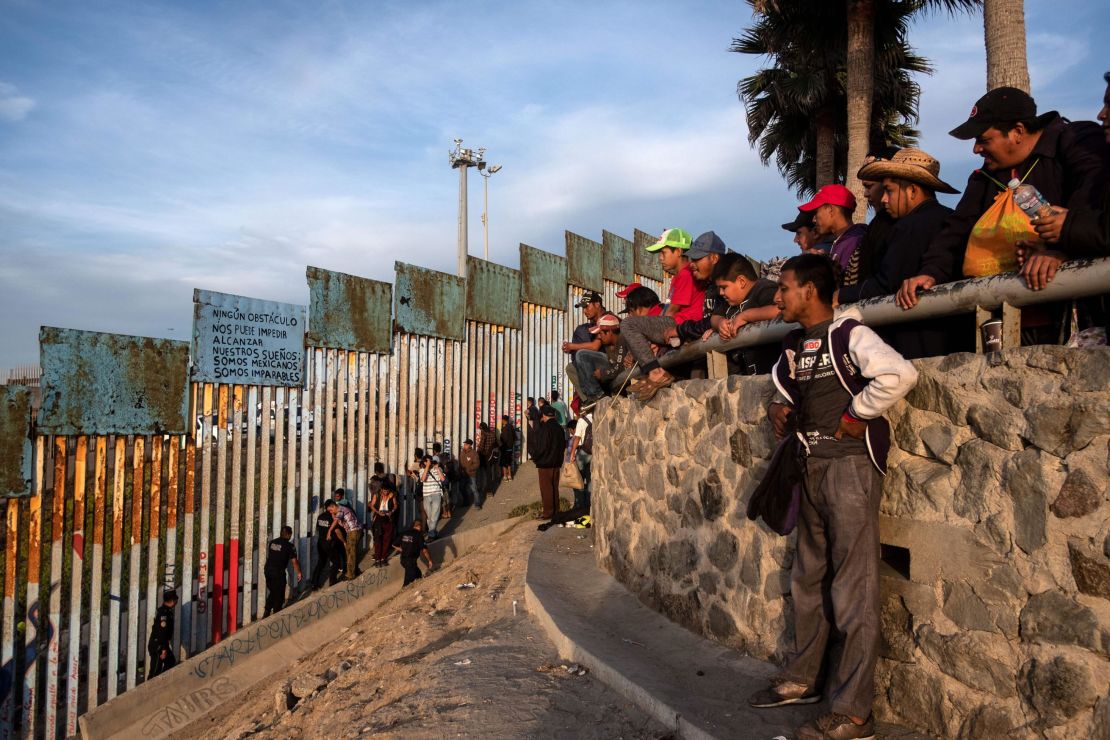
(284, 623)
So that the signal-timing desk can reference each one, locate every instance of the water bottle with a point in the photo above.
(1030, 200)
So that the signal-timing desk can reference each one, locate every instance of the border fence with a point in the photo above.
(140, 472)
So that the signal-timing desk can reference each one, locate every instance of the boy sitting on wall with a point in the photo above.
(749, 299)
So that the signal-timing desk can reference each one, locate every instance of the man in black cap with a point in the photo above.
(593, 309)
(805, 236)
(1061, 159)
(278, 556)
(160, 645)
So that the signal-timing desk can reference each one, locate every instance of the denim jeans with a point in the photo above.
(433, 504)
(586, 360)
(473, 492)
(582, 495)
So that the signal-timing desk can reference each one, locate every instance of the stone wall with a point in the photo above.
(995, 526)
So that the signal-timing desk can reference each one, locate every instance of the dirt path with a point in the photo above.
(438, 661)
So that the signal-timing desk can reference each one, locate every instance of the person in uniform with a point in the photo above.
(278, 556)
(160, 645)
(325, 549)
(411, 546)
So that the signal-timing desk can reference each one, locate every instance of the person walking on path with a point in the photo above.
(432, 480)
(487, 454)
(160, 644)
(411, 546)
(507, 441)
(548, 456)
(384, 509)
(278, 556)
(471, 467)
(839, 378)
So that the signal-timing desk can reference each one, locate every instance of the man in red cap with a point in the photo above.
(832, 209)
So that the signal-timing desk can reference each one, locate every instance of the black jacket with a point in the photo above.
(1086, 233)
(1069, 160)
(548, 443)
(906, 245)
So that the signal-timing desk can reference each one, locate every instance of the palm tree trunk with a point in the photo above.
(1004, 30)
(861, 86)
(826, 148)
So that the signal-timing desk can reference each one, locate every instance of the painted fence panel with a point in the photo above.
(645, 263)
(428, 302)
(15, 441)
(492, 293)
(543, 277)
(617, 262)
(349, 312)
(96, 383)
(585, 264)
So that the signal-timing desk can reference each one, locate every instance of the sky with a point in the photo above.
(147, 149)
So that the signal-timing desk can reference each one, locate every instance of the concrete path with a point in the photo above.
(695, 686)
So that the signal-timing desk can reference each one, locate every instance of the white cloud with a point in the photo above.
(13, 106)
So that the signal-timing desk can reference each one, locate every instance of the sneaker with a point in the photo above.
(781, 693)
(835, 726)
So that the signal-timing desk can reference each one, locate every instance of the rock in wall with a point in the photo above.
(995, 531)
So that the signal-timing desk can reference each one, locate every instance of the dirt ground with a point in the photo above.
(439, 661)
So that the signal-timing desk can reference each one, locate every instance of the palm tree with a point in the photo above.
(797, 107)
(860, 64)
(1004, 31)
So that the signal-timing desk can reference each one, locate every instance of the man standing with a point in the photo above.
(832, 208)
(487, 451)
(470, 464)
(325, 551)
(1061, 159)
(507, 440)
(347, 524)
(910, 181)
(560, 408)
(548, 456)
(411, 546)
(839, 378)
(160, 644)
(278, 556)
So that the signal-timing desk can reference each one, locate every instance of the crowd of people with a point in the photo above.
(912, 244)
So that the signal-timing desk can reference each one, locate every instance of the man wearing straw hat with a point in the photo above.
(910, 181)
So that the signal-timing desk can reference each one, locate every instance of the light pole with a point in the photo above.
(486, 175)
(461, 159)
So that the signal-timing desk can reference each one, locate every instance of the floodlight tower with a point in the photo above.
(461, 159)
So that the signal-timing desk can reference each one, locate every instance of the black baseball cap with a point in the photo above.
(1000, 105)
(706, 244)
(548, 410)
(588, 298)
(803, 219)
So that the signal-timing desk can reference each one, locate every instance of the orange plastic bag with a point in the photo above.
(992, 246)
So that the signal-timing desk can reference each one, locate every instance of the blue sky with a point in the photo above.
(150, 148)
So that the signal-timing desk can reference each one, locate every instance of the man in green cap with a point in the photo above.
(684, 303)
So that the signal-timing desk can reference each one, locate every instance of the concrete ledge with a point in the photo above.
(694, 686)
(170, 702)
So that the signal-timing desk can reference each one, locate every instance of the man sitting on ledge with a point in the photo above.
(839, 378)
